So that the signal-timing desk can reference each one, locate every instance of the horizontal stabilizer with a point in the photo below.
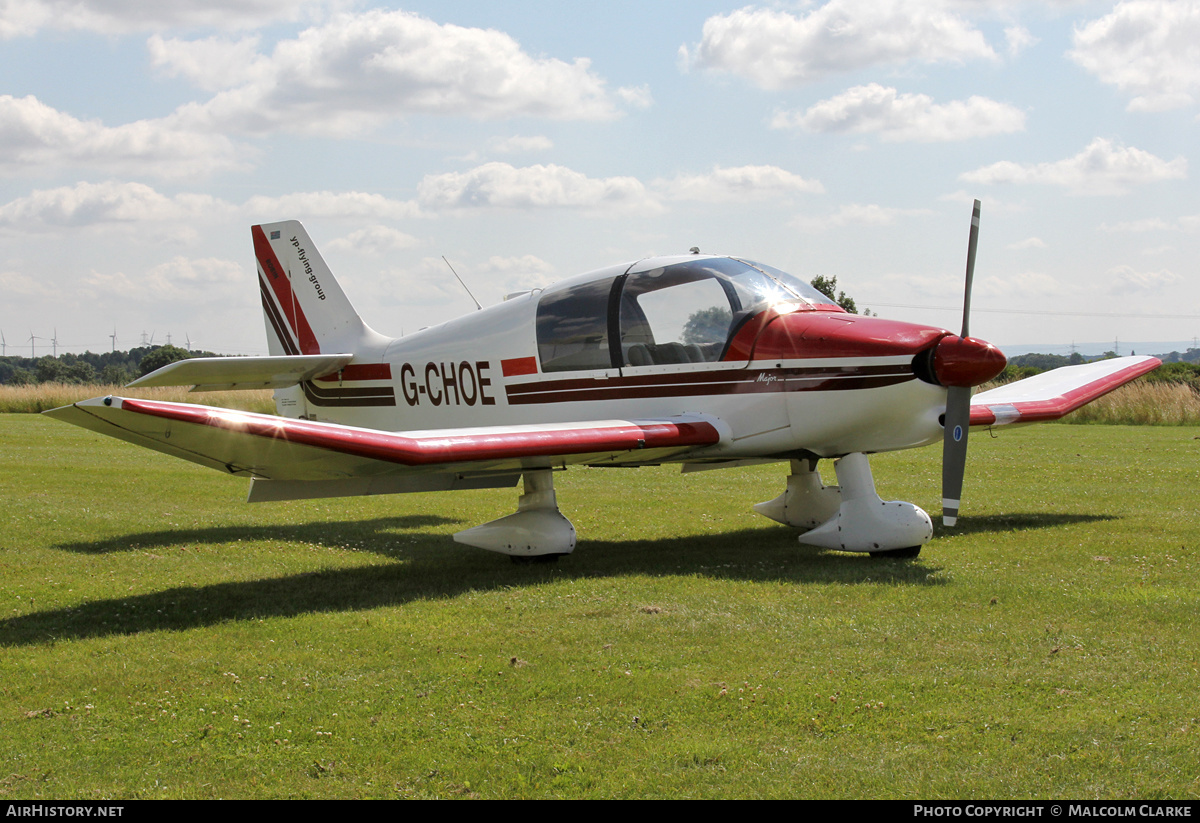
(279, 448)
(1055, 393)
(224, 373)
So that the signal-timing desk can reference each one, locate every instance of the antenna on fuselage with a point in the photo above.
(461, 283)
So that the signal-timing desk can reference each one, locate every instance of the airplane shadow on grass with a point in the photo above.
(377, 535)
(982, 524)
(428, 566)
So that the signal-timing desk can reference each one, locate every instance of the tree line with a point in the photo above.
(115, 367)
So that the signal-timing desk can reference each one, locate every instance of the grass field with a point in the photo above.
(38, 398)
(160, 638)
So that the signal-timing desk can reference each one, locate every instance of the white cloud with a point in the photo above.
(1137, 226)
(1101, 168)
(374, 241)
(111, 202)
(1018, 39)
(1147, 48)
(428, 284)
(1022, 286)
(857, 214)
(125, 202)
(19, 284)
(500, 185)
(738, 183)
(1027, 243)
(991, 205)
(1156, 250)
(178, 280)
(349, 204)
(213, 63)
(637, 96)
(25, 17)
(1126, 280)
(774, 49)
(896, 117)
(517, 273)
(354, 72)
(37, 136)
(521, 145)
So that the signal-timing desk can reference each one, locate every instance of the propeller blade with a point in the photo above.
(954, 451)
(972, 242)
(957, 422)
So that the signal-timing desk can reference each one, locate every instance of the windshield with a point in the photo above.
(683, 312)
(768, 285)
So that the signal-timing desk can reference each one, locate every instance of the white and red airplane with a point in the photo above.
(708, 361)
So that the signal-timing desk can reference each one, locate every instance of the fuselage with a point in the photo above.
(785, 370)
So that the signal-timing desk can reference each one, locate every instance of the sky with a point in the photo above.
(527, 142)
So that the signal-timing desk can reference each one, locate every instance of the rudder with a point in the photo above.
(305, 310)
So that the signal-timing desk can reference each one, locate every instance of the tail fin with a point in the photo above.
(305, 309)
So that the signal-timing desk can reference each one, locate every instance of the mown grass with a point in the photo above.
(159, 638)
(38, 398)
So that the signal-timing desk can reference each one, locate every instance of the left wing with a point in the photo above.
(298, 453)
(1056, 393)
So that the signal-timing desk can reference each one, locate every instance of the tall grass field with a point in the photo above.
(43, 396)
(160, 638)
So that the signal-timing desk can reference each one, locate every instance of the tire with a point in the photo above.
(531, 559)
(907, 553)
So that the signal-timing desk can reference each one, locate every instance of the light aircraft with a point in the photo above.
(708, 361)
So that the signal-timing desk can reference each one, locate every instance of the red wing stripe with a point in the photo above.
(983, 416)
(450, 448)
(281, 284)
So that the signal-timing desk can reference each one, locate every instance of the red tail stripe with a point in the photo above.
(281, 285)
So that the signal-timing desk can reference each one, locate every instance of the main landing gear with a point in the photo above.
(537, 532)
(850, 516)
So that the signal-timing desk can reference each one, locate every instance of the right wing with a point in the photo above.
(1056, 393)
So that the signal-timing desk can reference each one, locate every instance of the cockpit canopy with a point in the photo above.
(661, 312)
